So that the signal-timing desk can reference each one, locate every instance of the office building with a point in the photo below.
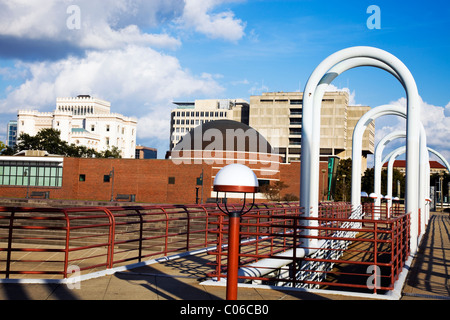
(146, 153)
(11, 134)
(188, 115)
(278, 117)
(86, 121)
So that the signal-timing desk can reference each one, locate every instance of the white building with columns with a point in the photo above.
(84, 120)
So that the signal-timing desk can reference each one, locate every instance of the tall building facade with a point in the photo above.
(11, 134)
(188, 115)
(86, 121)
(278, 117)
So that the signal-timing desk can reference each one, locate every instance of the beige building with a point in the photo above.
(278, 117)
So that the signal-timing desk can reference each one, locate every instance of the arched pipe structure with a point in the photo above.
(378, 163)
(426, 180)
(358, 132)
(311, 121)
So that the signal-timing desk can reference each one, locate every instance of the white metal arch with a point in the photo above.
(311, 127)
(423, 163)
(378, 160)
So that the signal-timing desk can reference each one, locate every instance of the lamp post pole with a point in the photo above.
(233, 255)
(235, 178)
(111, 175)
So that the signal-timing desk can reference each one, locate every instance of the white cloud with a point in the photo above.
(197, 15)
(351, 94)
(435, 119)
(104, 24)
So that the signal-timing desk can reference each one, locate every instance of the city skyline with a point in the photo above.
(142, 56)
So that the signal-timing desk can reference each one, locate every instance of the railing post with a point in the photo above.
(112, 236)
(67, 245)
(375, 258)
(10, 234)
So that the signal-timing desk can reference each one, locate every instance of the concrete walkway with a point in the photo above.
(429, 277)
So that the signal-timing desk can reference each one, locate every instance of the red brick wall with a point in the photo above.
(290, 175)
(148, 180)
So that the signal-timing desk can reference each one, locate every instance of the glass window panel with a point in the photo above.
(32, 181)
(19, 181)
(40, 172)
(53, 172)
(47, 172)
(13, 171)
(20, 171)
(52, 182)
(1, 170)
(6, 180)
(7, 171)
(12, 180)
(33, 171)
(40, 181)
(46, 181)
(59, 182)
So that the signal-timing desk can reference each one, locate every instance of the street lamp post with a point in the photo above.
(111, 175)
(234, 178)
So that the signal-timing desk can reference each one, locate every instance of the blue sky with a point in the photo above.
(142, 55)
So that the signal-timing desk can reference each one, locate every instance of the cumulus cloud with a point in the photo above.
(103, 24)
(224, 25)
(435, 119)
(351, 94)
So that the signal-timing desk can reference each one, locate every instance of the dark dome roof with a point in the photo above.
(224, 135)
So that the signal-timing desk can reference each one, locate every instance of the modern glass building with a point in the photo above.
(11, 134)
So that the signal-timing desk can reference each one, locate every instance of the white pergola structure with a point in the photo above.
(321, 77)
(424, 186)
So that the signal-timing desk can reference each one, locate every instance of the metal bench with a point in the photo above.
(40, 194)
(126, 197)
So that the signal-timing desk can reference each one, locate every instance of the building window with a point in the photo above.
(82, 177)
(106, 178)
(296, 102)
(171, 180)
(33, 174)
(92, 128)
(107, 128)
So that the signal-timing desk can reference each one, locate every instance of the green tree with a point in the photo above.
(50, 140)
(272, 191)
(344, 180)
(368, 181)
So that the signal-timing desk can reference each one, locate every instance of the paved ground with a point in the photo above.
(429, 277)
(181, 279)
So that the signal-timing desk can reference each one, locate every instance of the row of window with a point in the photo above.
(34, 175)
(200, 114)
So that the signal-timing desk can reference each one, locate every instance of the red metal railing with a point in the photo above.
(370, 255)
(44, 242)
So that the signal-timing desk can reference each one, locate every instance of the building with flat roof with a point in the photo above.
(146, 153)
(188, 115)
(278, 117)
(86, 121)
